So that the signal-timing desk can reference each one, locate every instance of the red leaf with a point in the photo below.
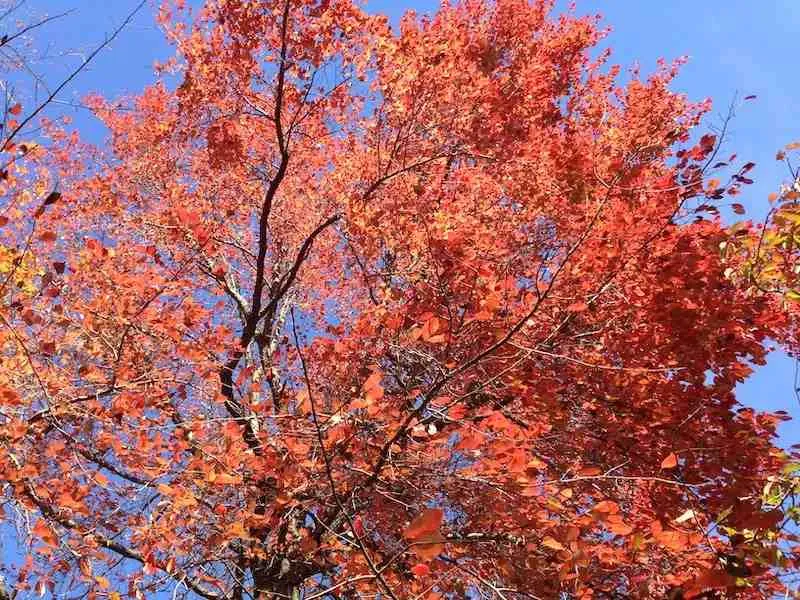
(421, 570)
(577, 307)
(358, 526)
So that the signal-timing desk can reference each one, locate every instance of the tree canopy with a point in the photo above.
(344, 311)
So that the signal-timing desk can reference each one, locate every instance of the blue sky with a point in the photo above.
(734, 46)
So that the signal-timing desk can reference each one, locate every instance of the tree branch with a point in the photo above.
(71, 76)
(116, 547)
(329, 469)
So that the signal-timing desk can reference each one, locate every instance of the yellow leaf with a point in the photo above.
(226, 479)
(689, 514)
(102, 582)
(551, 543)
(236, 529)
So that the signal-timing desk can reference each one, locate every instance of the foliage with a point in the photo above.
(764, 257)
(426, 314)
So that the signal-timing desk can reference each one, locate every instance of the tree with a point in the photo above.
(436, 313)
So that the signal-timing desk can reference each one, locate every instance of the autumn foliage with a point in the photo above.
(352, 312)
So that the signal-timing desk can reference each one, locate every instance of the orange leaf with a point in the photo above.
(606, 507)
(589, 472)
(431, 327)
(617, 526)
(236, 529)
(374, 394)
(373, 390)
(429, 546)
(423, 533)
(226, 479)
(426, 523)
(43, 531)
(670, 462)
(373, 380)
(471, 440)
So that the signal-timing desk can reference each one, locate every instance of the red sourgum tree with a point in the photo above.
(415, 314)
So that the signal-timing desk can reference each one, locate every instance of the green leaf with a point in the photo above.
(793, 295)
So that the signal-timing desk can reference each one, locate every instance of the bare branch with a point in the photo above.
(71, 76)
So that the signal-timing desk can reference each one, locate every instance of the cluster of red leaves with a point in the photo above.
(412, 312)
